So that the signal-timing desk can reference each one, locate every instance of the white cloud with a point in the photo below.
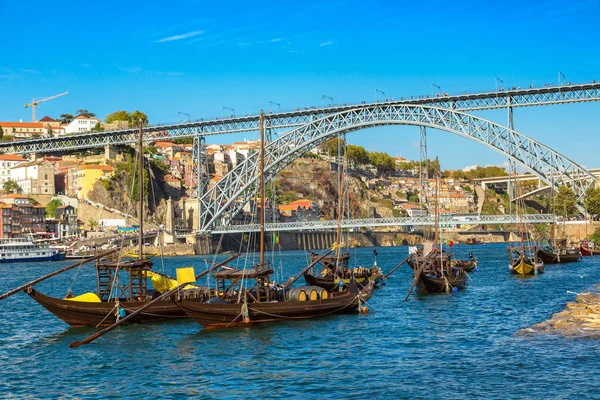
(179, 37)
(275, 40)
(327, 43)
(470, 168)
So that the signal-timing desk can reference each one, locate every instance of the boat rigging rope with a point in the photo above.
(75, 277)
(107, 315)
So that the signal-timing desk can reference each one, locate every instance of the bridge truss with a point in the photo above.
(286, 120)
(223, 201)
(373, 222)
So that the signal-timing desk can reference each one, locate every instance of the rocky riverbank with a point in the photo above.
(580, 318)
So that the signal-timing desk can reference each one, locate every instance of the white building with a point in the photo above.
(7, 161)
(35, 177)
(81, 124)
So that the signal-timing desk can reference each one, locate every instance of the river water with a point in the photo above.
(462, 345)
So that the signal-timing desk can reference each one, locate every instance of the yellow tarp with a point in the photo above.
(524, 268)
(185, 275)
(164, 284)
(86, 297)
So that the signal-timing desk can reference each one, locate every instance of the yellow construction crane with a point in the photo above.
(35, 102)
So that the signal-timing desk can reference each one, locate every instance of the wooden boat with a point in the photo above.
(121, 288)
(331, 275)
(103, 313)
(526, 266)
(433, 269)
(245, 297)
(523, 259)
(549, 256)
(226, 311)
(430, 283)
(473, 241)
(466, 265)
(588, 249)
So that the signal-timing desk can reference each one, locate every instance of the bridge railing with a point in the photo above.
(401, 221)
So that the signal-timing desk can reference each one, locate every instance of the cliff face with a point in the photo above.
(317, 180)
(117, 193)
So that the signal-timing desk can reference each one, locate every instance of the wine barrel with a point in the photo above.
(297, 294)
(316, 292)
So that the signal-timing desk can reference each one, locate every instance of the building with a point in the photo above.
(81, 124)
(34, 177)
(88, 175)
(23, 130)
(7, 161)
(65, 180)
(50, 122)
(21, 218)
(299, 210)
(67, 222)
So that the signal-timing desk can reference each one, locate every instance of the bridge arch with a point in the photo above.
(224, 200)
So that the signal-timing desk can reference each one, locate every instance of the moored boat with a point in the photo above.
(25, 250)
(549, 256)
(588, 248)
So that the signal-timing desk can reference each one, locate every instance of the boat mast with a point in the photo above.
(141, 193)
(262, 189)
(338, 235)
(521, 230)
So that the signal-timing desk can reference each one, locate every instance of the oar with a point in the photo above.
(396, 267)
(60, 271)
(96, 335)
(312, 264)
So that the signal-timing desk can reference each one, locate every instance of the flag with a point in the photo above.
(276, 239)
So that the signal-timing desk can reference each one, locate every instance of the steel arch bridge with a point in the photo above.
(220, 203)
(566, 94)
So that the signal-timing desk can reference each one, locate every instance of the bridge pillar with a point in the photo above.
(110, 152)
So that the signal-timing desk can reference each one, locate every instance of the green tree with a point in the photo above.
(132, 119)
(85, 113)
(121, 115)
(138, 116)
(11, 186)
(185, 140)
(565, 202)
(357, 155)
(92, 223)
(592, 201)
(66, 118)
(97, 128)
(1, 132)
(51, 208)
(382, 161)
(331, 146)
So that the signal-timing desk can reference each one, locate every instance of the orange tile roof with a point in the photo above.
(47, 119)
(21, 124)
(15, 196)
(11, 157)
(84, 117)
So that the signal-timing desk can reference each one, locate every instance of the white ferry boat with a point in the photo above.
(23, 249)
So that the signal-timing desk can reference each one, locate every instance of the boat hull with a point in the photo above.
(79, 314)
(465, 265)
(229, 315)
(53, 257)
(331, 284)
(553, 258)
(526, 267)
(429, 284)
(586, 251)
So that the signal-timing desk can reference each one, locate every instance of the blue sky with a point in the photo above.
(196, 57)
